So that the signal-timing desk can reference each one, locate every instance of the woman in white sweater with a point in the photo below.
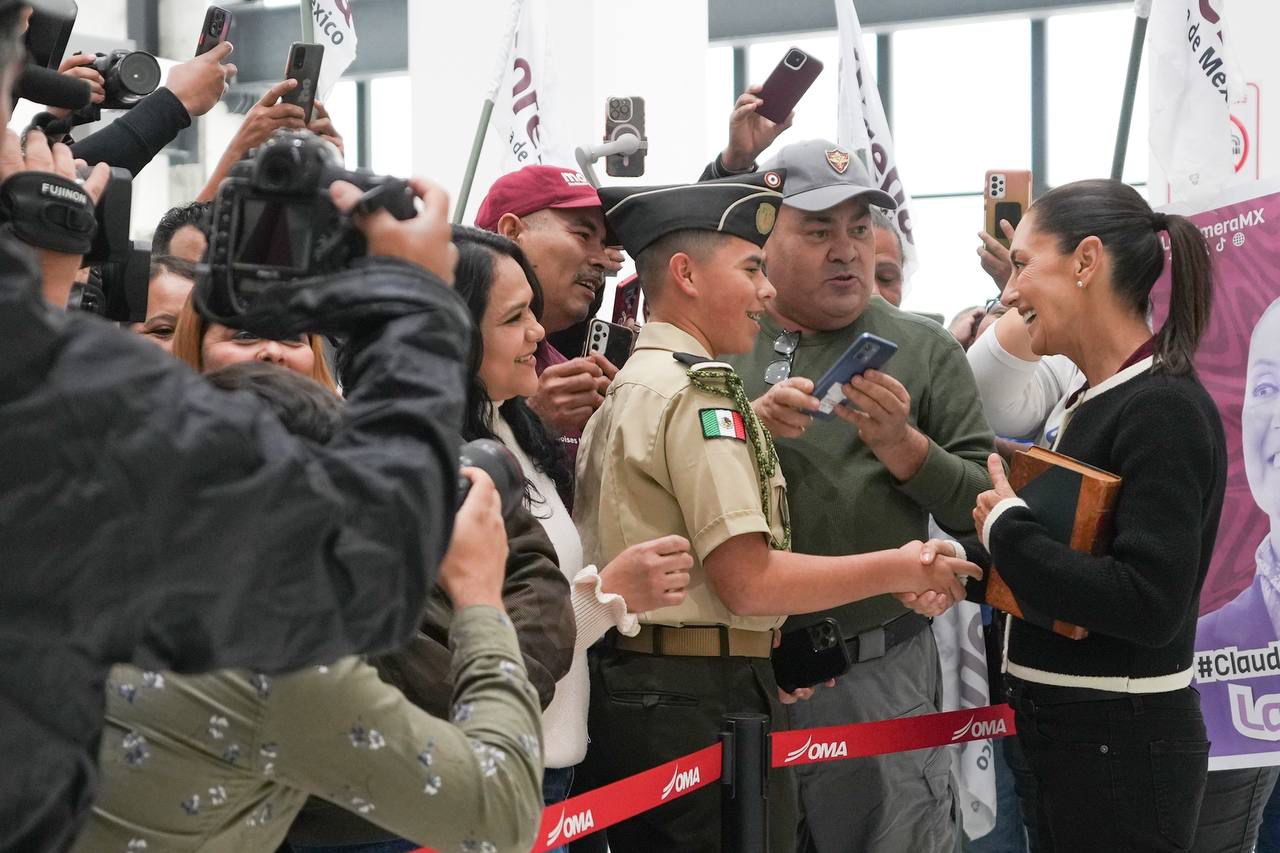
(502, 292)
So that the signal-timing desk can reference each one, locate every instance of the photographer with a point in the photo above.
(131, 141)
(143, 513)
(266, 117)
(173, 778)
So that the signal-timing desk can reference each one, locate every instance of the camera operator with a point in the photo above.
(172, 777)
(142, 512)
(266, 117)
(136, 137)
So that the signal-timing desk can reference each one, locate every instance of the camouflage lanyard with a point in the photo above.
(757, 433)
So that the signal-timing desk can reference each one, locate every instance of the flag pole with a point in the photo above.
(486, 112)
(308, 22)
(1130, 88)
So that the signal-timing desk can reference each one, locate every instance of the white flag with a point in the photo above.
(1192, 83)
(335, 28)
(522, 107)
(862, 125)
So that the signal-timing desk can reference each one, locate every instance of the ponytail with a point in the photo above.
(1121, 219)
(1191, 299)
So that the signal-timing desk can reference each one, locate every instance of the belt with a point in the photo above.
(873, 644)
(710, 641)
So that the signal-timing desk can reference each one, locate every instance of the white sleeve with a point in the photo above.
(1017, 396)
(596, 611)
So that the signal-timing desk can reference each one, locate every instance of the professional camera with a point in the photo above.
(500, 464)
(129, 75)
(273, 220)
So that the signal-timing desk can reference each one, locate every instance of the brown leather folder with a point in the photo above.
(1074, 502)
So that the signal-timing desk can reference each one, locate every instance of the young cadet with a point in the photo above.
(676, 449)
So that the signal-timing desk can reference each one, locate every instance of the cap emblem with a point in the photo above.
(772, 180)
(766, 215)
(838, 160)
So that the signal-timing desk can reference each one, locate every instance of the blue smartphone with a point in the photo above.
(868, 352)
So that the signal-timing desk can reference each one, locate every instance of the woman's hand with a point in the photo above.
(651, 575)
(1000, 490)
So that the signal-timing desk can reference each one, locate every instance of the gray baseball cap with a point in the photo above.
(821, 174)
(60, 8)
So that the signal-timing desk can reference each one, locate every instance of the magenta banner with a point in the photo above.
(1237, 642)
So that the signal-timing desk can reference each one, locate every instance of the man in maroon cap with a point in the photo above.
(553, 213)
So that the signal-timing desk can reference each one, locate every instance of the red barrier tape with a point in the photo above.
(626, 798)
(810, 746)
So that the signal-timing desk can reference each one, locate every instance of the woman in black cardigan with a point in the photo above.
(1110, 724)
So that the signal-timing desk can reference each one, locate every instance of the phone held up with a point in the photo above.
(217, 26)
(304, 66)
(810, 655)
(625, 115)
(1006, 194)
(787, 84)
(612, 341)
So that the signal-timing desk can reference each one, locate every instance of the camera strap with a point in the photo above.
(48, 211)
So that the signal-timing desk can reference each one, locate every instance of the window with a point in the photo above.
(342, 110)
(949, 129)
(1085, 91)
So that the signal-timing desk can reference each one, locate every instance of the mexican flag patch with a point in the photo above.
(723, 423)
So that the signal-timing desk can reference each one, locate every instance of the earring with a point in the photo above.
(1080, 283)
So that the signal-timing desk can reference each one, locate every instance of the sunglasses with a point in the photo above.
(784, 346)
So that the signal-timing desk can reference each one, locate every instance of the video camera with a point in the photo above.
(273, 220)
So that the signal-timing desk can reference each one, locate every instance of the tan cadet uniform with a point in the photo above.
(222, 763)
(671, 452)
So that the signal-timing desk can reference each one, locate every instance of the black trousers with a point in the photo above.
(646, 710)
(1115, 773)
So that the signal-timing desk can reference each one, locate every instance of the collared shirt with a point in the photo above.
(653, 463)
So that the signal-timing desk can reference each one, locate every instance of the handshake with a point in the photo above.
(939, 573)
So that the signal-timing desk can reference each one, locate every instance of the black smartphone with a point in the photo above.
(624, 115)
(810, 655)
(612, 341)
(304, 66)
(217, 24)
(788, 82)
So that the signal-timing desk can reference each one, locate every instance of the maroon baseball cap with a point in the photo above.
(535, 188)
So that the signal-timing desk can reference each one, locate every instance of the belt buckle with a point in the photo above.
(870, 645)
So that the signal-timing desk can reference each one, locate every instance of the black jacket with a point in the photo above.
(147, 517)
(137, 136)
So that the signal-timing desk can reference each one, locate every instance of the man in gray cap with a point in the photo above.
(911, 442)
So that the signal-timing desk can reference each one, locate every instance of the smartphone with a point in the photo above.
(304, 66)
(868, 352)
(612, 341)
(625, 115)
(810, 655)
(787, 84)
(1006, 195)
(217, 24)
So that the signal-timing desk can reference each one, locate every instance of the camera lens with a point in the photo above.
(794, 59)
(139, 73)
(299, 58)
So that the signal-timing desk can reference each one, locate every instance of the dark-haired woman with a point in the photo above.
(500, 288)
(1110, 724)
